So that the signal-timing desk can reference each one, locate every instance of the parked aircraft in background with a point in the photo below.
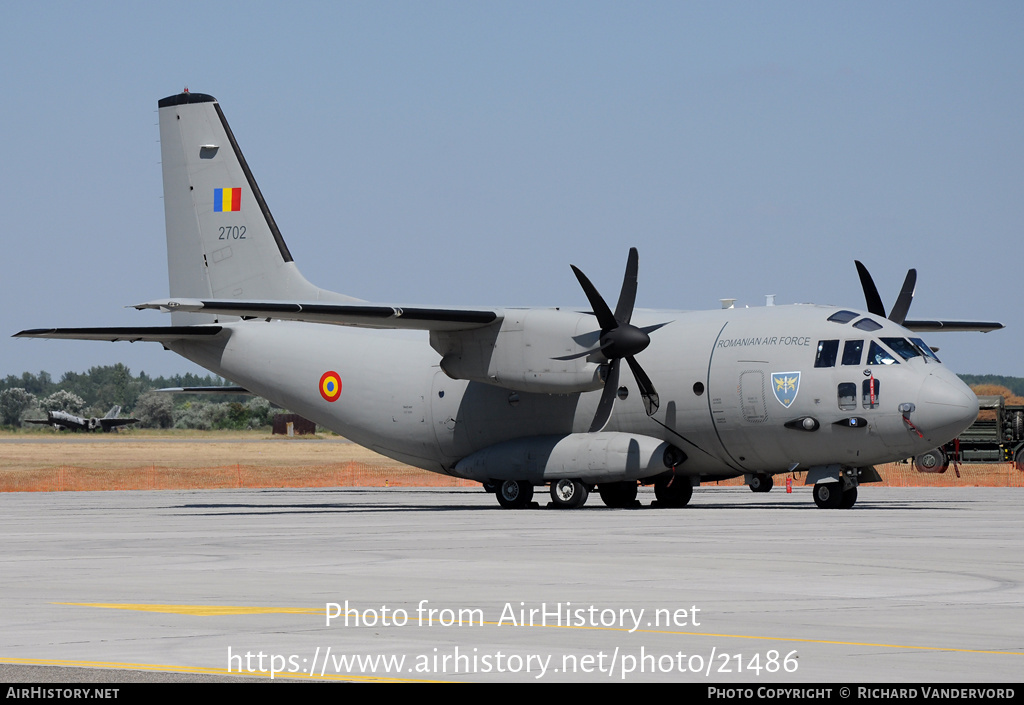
(517, 398)
(63, 420)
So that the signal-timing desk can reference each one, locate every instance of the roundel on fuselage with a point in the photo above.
(330, 386)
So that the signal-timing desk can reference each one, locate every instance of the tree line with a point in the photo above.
(93, 393)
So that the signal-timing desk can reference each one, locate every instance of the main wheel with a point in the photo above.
(618, 495)
(933, 461)
(673, 492)
(849, 498)
(568, 494)
(514, 494)
(828, 495)
(761, 482)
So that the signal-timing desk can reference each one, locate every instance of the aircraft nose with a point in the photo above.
(948, 406)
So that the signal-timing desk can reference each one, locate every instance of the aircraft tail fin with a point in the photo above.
(222, 241)
(114, 412)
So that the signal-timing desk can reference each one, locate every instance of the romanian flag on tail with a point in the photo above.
(226, 200)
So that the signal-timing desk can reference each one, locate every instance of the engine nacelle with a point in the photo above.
(520, 353)
(591, 457)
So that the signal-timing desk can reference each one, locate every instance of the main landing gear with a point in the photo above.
(673, 491)
(618, 495)
(514, 494)
(669, 491)
(761, 482)
(568, 494)
(831, 495)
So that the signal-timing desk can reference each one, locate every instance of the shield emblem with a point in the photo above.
(786, 385)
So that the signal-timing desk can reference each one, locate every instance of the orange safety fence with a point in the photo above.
(358, 474)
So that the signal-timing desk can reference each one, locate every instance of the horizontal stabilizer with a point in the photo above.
(156, 334)
(204, 390)
(952, 326)
(361, 315)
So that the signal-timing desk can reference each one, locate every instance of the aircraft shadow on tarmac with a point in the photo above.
(404, 504)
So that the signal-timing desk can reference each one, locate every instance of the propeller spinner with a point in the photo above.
(620, 340)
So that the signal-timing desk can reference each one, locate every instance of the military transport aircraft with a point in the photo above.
(63, 420)
(520, 398)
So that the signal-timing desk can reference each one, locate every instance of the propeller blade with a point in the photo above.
(656, 326)
(605, 319)
(604, 407)
(627, 296)
(902, 305)
(871, 297)
(650, 396)
(577, 355)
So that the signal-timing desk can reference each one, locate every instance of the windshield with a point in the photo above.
(902, 347)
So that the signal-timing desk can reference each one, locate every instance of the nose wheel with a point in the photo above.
(761, 483)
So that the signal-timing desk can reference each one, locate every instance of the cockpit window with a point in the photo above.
(902, 347)
(867, 324)
(852, 351)
(928, 352)
(842, 316)
(878, 356)
(827, 351)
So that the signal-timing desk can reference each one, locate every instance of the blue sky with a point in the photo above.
(466, 153)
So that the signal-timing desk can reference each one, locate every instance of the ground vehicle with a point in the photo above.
(997, 436)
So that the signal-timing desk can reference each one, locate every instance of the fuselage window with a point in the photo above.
(827, 352)
(924, 348)
(852, 351)
(871, 389)
(867, 324)
(848, 396)
(902, 347)
(878, 356)
(842, 316)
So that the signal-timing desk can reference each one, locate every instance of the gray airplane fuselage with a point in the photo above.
(714, 370)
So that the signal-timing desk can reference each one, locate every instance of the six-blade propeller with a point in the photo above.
(620, 339)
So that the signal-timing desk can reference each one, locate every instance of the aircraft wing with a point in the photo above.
(360, 315)
(156, 334)
(952, 326)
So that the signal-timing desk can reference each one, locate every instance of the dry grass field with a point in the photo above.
(48, 461)
(52, 461)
